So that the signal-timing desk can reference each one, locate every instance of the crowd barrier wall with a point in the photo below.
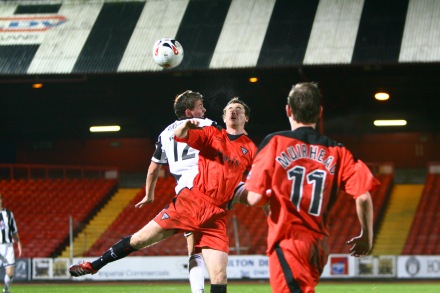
(240, 267)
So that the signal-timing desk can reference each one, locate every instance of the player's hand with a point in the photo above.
(144, 201)
(361, 246)
(192, 123)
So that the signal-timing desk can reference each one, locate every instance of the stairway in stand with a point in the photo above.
(99, 223)
(396, 224)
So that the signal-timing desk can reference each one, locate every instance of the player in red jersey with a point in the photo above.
(182, 161)
(223, 158)
(304, 170)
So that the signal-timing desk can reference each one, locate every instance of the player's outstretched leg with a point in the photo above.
(120, 250)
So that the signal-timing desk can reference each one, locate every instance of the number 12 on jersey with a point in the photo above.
(186, 154)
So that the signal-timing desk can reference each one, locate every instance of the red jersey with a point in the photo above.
(304, 170)
(223, 159)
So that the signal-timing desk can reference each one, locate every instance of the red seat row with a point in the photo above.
(424, 236)
(343, 220)
(42, 209)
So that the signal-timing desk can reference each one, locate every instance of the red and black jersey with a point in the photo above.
(223, 158)
(304, 170)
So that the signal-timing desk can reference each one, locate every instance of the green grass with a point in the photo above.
(323, 287)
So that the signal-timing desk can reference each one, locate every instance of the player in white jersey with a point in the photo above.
(8, 235)
(182, 161)
(181, 158)
(183, 165)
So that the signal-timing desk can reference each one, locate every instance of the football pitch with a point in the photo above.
(255, 287)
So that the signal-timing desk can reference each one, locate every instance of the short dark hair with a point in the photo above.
(305, 101)
(236, 100)
(186, 100)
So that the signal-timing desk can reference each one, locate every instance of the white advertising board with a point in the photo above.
(174, 268)
(418, 266)
(339, 266)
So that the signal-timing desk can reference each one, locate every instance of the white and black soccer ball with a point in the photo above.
(167, 53)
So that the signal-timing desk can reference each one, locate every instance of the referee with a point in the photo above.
(8, 235)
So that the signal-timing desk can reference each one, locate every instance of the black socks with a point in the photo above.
(119, 250)
(219, 288)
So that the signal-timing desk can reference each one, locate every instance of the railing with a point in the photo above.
(28, 172)
(381, 168)
(434, 167)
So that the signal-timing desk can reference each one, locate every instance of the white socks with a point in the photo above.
(8, 282)
(196, 269)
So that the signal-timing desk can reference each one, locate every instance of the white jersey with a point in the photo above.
(8, 226)
(181, 158)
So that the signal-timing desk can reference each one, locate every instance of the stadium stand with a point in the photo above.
(42, 206)
(397, 219)
(42, 209)
(100, 222)
(424, 236)
(131, 219)
(248, 223)
(42, 203)
(343, 221)
(246, 227)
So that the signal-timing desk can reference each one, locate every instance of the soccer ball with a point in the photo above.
(167, 53)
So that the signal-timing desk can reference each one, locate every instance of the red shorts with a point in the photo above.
(297, 262)
(195, 212)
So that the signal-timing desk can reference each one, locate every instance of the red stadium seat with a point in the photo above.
(131, 219)
(343, 214)
(424, 236)
(42, 209)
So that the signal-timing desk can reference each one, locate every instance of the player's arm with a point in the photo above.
(17, 240)
(150, 184)
(363, 243)
(182, 131)
(241, 196)
(256, 199)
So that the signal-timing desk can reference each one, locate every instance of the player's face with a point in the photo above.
(235, 115)
(199, 110)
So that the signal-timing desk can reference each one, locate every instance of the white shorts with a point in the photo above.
(7, 255)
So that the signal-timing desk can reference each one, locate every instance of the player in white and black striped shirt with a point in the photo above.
(8, 235)
(182, 161)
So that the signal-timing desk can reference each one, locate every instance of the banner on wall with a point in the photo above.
(345, 266)
(22, 270)
(50, 268)
(415, 266)
(149, 268)
(339, 266)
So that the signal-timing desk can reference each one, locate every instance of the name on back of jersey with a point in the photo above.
(304, 151)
